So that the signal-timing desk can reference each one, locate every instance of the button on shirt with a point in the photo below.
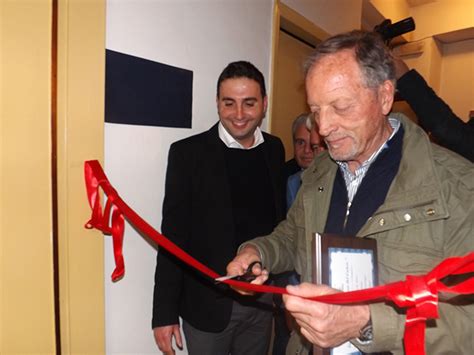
(230, 141)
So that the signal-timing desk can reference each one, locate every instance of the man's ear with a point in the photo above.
(386, 96)
(265, 105)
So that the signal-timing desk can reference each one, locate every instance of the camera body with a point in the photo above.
(388, 30)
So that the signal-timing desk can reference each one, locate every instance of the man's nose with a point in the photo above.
(239, 112)
(325, 121)
(307, 148)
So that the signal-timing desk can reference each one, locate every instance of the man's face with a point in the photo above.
(351, 118)
(241, 108)
(302, 147)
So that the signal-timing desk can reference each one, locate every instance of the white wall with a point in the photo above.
(199, 35)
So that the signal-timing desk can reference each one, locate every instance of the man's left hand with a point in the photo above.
(324, 325)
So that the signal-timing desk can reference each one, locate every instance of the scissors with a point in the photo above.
(246, 277)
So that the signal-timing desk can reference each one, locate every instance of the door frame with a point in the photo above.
(297, 25)
(80, 96)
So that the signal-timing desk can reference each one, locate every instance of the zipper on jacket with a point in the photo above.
(348, 209)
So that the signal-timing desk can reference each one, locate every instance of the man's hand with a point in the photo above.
(241, 262)
(164, 337)
(323, 324)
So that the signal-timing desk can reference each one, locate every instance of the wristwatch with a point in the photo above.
(366, 333)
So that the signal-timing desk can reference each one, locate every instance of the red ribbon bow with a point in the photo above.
(418, 294)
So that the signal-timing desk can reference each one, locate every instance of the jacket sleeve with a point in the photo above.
(176, 211)
(435, 116)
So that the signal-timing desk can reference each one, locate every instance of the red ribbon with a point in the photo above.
(418, 294)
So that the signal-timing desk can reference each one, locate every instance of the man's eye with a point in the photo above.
(228, 103)
(250, 104)
(342, 109)
(299, 142)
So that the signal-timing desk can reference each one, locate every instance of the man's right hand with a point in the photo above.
(246, 256)
(164, 338)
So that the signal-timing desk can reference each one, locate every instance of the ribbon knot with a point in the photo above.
(419, 293)
(424, 298)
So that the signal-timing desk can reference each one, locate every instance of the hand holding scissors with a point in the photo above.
(248, 276)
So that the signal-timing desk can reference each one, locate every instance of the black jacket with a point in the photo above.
(197, 216)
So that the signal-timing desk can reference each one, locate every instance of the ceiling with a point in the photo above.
(418, 2)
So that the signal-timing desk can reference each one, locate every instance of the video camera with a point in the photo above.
(388, 30)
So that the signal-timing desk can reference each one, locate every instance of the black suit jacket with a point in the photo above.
(197, 216)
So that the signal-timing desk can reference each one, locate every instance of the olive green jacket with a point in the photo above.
(427, 216)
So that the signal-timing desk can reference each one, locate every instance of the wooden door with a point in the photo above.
(290, 95)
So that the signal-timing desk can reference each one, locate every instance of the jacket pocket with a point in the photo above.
(410, 250)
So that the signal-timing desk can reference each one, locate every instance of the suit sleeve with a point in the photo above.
(436, 116)
(176, 213)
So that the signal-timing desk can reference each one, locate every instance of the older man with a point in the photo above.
(381, 178)
(306, 144)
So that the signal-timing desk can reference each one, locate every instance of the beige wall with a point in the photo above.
(457, 77)
(333, 16)
(442, 16)
(26, 261)
(395, 10)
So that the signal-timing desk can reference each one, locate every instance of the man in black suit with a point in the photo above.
(223, 187)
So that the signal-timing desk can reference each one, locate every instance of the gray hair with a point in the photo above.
(310, 121)
(300, 120)
(373, 56)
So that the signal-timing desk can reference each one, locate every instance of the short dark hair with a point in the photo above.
(242, 69)
(373, 56)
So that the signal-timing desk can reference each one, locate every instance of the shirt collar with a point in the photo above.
(395, 124)
(230, 141)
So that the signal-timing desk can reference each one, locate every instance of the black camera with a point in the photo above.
(388, 30)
